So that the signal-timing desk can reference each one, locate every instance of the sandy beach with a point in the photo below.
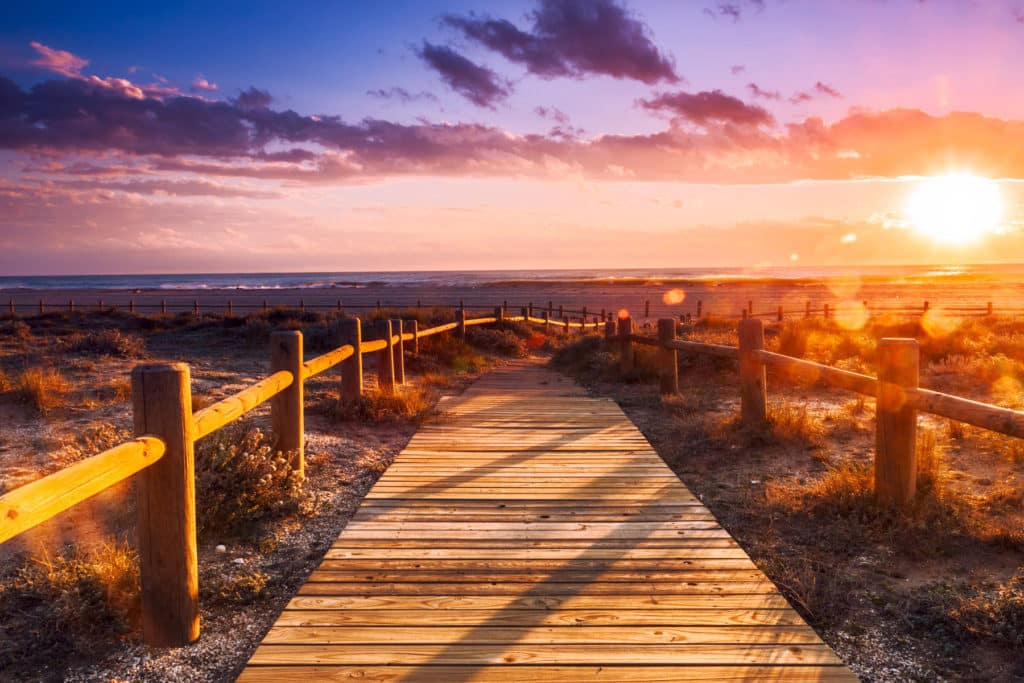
(666, 298)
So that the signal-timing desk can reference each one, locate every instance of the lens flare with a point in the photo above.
(938, 323)
(673, 297)
(851, 315)
(956, 209)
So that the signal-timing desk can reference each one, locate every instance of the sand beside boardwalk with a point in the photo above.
(726, 298)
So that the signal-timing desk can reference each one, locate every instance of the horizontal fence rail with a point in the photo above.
(898, 396)
(163, 454)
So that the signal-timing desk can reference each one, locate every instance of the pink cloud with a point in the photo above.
(58, 61)
(200, 84)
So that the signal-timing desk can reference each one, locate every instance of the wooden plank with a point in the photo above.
(534, 602)
(513, 653)
(535, 535)
(547, 674)
(525, 617)
(536, 634)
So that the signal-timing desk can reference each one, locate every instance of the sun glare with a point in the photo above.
(956, 208)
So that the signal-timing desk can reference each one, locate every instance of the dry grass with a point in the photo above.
(42, 389)
(231, 584)
(412, 402)
(107, 342)
(54, 610)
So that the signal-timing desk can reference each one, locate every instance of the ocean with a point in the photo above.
(496, 278)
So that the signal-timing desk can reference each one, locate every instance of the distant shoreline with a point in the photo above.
(333, 282)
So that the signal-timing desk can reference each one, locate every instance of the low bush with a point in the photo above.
(241, 482)
(504, 342)
(231, 585)
(411, 402)
(107, 342)
(76, 605)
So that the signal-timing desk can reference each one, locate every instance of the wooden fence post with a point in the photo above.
(131, 306)
(551, 309)
(990, 308)
(168, 562)
(286, 410)
(529, 310)
(647, 308)
(667, 356)
(625, 344)
(753, 386)
(414, 327)
(10, 305)
(547, 322)
(700, 307)
(461, 320)
(385, 357)
(565, 326)
(398, 352)
(609, 330)
(896, 422)
(195, 307)
(42, 307)
(71, 305)
(231, 309)
(807, 309)
(265, 306)
(561, 311)
(163, 306)
(925, 307)
(499, 316)
(779, 317)
(826, 311)
(352, 367)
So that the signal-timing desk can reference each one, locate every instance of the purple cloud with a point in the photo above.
(757, 91)
(574, 38)
(737, 69)
(401, 95)
(709, 106)
(819, 89)
(733, 10)
(253, 98)
(476, 83)
(825, 89)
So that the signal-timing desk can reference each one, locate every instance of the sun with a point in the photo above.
(956, 209)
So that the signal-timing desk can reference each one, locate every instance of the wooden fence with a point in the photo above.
(197, 308)
(15, 309)
(162, 455)
(898, 396)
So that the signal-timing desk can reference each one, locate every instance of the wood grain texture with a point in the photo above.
(534, 535)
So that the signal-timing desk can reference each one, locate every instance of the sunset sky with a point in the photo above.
(540, 134)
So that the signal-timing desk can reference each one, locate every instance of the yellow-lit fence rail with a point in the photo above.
(898, 397)
(162, 455)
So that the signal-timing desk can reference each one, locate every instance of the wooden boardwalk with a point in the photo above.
(535, 535)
